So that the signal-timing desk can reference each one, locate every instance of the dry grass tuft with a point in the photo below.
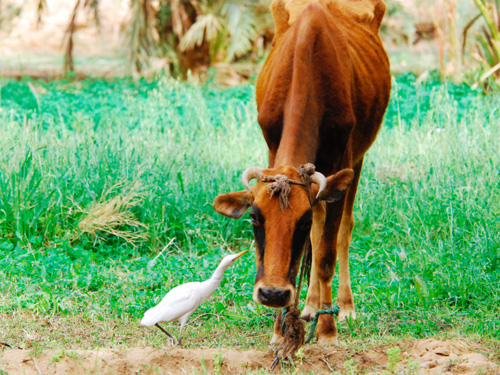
(112, 215)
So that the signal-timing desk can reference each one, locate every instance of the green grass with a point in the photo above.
(425, 255)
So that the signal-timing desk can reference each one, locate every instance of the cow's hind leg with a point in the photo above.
(312, 300)
(345, 299)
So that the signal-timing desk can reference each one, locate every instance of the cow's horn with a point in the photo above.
(249, 175)
(320, 180)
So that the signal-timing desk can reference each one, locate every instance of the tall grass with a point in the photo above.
(428, 214)
(425, 252)
(63, 149)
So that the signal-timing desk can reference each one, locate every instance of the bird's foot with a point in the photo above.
(171, 339)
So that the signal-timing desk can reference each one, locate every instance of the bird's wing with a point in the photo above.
(176, 303)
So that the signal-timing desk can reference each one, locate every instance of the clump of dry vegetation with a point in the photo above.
(113, 215)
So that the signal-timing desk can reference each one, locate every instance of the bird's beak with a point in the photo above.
(240, 254)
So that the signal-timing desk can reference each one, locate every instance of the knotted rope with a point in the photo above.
(305, 172)
(334, 310)
(280, 186)
(295, 332)
(293, 338)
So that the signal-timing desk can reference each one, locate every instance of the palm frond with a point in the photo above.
(206, 27)
(487, 40)
(180, 19)
(141, 37)
(489, 17)
(241, 22)
(485, 51)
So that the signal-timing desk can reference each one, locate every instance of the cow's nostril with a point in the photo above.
(274, 297)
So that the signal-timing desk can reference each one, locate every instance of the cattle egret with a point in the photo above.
(183, 300)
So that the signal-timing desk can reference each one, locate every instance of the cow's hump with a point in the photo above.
(286, 12)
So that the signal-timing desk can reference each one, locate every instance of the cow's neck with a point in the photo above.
(291, 161)
(300, 130)
(295, 149)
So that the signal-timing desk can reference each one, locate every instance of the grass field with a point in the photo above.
(425, 255)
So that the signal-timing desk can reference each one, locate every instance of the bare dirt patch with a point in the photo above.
(429, 356)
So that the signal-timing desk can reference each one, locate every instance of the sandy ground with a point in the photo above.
(429, 356)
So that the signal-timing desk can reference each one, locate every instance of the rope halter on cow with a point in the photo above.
(279, 185)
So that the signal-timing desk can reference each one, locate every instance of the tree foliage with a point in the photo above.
(487, 39)
(185, 34)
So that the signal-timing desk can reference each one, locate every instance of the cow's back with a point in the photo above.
(355, 78)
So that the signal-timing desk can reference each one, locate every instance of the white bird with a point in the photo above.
(183, 300)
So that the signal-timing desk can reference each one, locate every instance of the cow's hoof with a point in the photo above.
(308, 313)
(326, 330)
(346, 314)
(328, 340)
(276, 339)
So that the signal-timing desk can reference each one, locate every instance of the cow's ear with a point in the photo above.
(233, 205)
(337, 185)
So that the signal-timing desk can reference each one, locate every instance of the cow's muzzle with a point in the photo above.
(274, 296)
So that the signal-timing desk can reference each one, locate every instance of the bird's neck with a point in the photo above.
(209, 286)
(217, 275)
(213, 283)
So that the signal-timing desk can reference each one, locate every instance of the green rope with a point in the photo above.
(334, 310)
(284, 310)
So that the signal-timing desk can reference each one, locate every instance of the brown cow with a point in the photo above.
(321, 97)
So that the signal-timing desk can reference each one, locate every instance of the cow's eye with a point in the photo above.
(305, 224)
(305, 221)
(255, 220)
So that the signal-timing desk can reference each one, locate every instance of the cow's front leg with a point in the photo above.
(277, 335)
(325, 267)
(326, 328)
(312, 300)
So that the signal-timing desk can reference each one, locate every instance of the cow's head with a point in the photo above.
(282, 216)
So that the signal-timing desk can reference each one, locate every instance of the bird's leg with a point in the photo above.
(179, 340)
(172, 338)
